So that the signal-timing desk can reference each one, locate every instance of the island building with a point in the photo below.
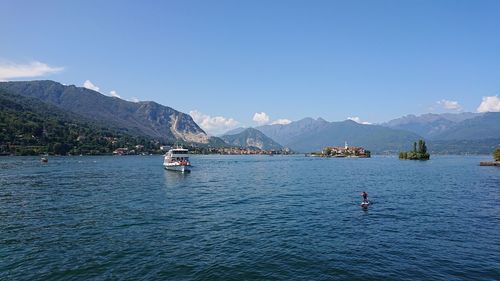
(345, 151)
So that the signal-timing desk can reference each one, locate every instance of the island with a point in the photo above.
(343, 151)
(496, 157)
(418, 153)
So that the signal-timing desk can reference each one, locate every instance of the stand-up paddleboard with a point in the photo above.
(365, 204)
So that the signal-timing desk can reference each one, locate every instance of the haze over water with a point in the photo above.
(248, 218)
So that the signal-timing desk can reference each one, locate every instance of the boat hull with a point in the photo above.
(178, 168)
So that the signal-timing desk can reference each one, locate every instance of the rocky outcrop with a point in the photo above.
(142, 118)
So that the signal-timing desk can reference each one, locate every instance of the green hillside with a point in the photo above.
(139, 118)
(29, 126)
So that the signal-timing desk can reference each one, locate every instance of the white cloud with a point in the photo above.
(134, 99)
(261, 118)
(281, 122)
(449, 104)
(358, 120)
(113, 93)
(10, 70)
(489, 104)
(213, 125)
(89, 85)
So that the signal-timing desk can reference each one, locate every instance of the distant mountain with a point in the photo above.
(375, 138)
(430, 125)
(479, 146)
(459, 117)
(143, 118)
(431, 117)
(482, 127)
(40, 113)
(290, 133)
(251, 138)
(234, 131)
(310, 134)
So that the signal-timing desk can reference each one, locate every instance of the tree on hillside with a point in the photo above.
(496, 154)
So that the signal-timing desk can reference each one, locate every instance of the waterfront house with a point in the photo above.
(342, 151)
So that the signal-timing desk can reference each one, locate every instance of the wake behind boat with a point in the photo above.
(177, 159)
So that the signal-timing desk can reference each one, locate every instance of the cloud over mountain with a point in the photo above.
(89, 85)
(213, 125)
(9, 70)
(261, 118)
(281, 122)
(113, 93)
(358, 120)
(489, 104)
(449, 104)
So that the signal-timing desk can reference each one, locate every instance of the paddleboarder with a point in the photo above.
(365, 197)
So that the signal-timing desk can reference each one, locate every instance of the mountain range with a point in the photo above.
(447, 133)
(28, 103)
(430, 125)
(309, 134)
(147, 118)
(485, 126)
(474, 133)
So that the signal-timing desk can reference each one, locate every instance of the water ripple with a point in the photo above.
(250, 218)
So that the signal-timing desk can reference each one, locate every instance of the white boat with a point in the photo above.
(177, 159)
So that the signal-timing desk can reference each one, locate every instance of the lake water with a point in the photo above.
(249, 218)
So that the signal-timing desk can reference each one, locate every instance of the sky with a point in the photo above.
(247, 63)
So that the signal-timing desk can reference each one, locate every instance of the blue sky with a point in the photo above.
(375, 60)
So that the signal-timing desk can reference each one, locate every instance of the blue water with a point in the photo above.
(249, 218)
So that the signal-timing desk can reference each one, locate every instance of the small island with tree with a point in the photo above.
(496, 157)
(419, 152)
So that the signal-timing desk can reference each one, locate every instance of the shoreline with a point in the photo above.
(489, 163)
(151, 154)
